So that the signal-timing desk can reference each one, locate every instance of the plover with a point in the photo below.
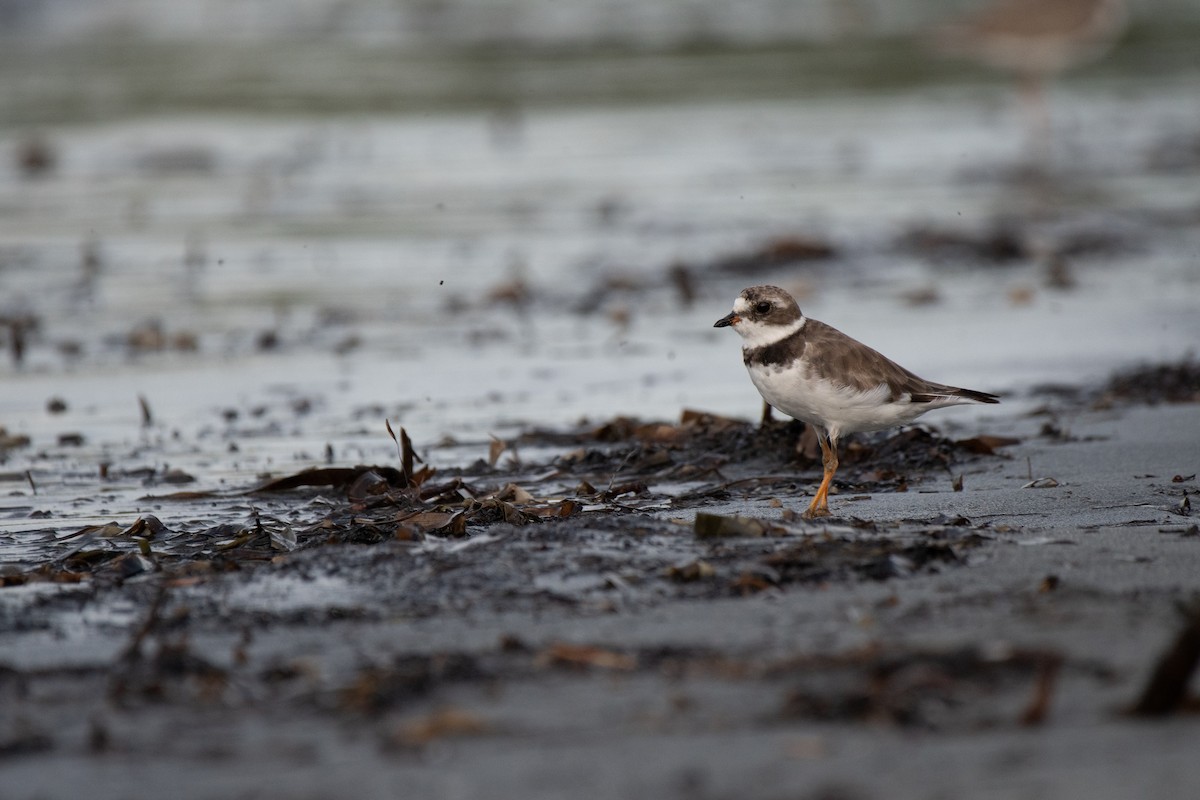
(1035, 39)
(819, 375)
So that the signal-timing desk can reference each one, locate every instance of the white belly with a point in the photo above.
(838, 409)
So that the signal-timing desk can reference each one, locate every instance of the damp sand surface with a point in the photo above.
(696, 632)
(585, 573)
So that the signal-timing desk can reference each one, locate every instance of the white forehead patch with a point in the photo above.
(741, 306)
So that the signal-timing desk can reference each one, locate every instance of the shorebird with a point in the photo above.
(819, 375)
(1036, 40)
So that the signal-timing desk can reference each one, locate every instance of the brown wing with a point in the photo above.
(837, 357)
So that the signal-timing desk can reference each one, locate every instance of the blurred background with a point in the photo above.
(278, 222)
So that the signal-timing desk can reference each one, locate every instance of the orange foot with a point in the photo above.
(815, 511)
(819, 507)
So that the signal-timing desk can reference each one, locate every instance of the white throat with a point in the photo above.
(755, 334)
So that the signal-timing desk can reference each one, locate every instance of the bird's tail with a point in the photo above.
(950, 395)
(978, 397)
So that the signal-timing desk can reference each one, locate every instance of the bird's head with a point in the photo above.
(762, 315)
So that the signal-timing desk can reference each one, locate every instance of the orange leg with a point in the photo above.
(819, 507)
(1033, 101)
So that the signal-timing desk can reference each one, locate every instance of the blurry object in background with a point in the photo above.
(151, 337)
(778, 252)
(195, 259)
(1036, 40)
(91, 264)
(1175, 152)
(147, 337)
(1177, 382)
(1058, 273)
(18, 327)
(181, 159)
(144, 407)
(90, 259)
(922, 296)
(267, 340)
(621, 317)
(185, 342)
(1012, 240)
(69, 349)
(11, 441)
(36, 157)
(609, 211)
(1001, 243)
(1021, 295)
(681, 279)
(514, 292)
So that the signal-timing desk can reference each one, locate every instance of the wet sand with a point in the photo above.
(197, 308)
(893, 651)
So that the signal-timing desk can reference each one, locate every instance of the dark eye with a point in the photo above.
(763, 307)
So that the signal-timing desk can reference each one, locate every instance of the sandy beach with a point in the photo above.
(364, 431)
